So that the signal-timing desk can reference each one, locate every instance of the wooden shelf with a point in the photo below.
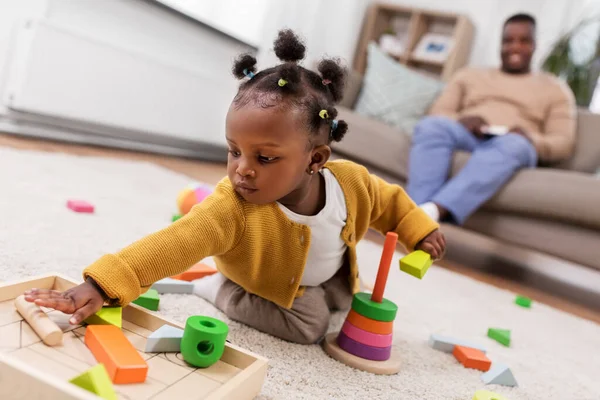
(413, 24)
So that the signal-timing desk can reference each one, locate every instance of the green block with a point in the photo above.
(106, 316)
(486, 395)
(384, 311)
(416, 263)
(203, 340)
(97, 381)
(176, 217)
(148, 300)
(500, 335)
(523, 301)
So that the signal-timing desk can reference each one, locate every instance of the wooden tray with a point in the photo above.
(31, 370)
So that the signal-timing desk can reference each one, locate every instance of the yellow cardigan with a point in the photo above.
(257, 246)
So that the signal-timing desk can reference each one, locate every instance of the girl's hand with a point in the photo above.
(434, 244)
(82, 301)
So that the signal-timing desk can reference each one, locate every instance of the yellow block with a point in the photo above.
(416, 263)
(485, 395)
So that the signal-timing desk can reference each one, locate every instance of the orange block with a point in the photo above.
(111, 348)
(370, 325)
(472, 358)
(196, 272)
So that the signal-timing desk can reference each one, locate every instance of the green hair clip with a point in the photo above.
(323, 114)
(282, 82)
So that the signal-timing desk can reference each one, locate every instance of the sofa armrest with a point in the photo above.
(587, 148)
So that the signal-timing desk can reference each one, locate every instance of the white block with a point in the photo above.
(499, 374)
(497, 130)
(447, 343)
(166, 339)
(169, 285)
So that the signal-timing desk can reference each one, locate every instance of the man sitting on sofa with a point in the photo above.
(508, 118)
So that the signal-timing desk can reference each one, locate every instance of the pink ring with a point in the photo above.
(364, 337)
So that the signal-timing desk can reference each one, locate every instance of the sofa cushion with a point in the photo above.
(374, 143)
(568, 196)
(393, 93)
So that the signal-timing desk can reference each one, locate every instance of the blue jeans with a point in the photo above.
(493, 162)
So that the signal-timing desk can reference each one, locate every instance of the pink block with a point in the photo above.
(80, 206)
(364, 337)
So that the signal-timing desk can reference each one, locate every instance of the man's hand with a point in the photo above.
(520, 131)
(474, 124)
(82, 301)
(434, 244)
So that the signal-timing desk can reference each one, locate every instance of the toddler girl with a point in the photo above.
(282, 226)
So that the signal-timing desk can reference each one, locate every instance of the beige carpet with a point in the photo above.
(553, 356)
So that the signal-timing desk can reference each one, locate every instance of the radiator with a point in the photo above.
(71, 78)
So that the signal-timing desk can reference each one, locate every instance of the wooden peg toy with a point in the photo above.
(46, 329)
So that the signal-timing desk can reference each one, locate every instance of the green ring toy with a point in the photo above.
(203, 340)
(384, 311)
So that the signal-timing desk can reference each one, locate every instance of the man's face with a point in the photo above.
(518, 45)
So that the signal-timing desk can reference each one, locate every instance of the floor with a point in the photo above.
(211, 173)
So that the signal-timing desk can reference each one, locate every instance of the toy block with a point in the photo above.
(166, 339)
(106, 316)
(169, 285)
(149, 300)
(198, 271)
(523, 301)
(203, 341)
(368, 324)
(368, 338)
(472, 358)
(362, 350)
(382, 311)
(499, 374)
(447, 343)
(176, 217)
(46, 329)
(485, 395)
(97, 381)
(501, 336)
(110, 347)
(80, 206)
(416, 263)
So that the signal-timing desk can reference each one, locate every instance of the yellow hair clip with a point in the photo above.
(282, 82)
(323, 114)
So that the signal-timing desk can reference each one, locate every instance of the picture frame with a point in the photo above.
(433, 47)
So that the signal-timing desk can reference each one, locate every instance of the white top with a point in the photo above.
(327, 249)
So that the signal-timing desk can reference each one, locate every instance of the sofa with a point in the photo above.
(553, 210)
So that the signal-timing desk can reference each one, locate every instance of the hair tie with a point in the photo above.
(323, 114)
(334, 124)
(249, 74)
(326, 82)
(282, 82)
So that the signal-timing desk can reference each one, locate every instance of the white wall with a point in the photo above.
(93, 98)
(553, 18)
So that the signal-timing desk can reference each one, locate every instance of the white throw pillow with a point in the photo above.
(393, 93)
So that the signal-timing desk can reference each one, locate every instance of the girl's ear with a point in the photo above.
(320, 155)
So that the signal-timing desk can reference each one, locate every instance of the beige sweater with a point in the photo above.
(542, 105)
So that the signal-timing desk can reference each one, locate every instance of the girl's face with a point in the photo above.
(269, 154)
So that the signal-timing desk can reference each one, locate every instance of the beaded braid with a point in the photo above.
(291, 85)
